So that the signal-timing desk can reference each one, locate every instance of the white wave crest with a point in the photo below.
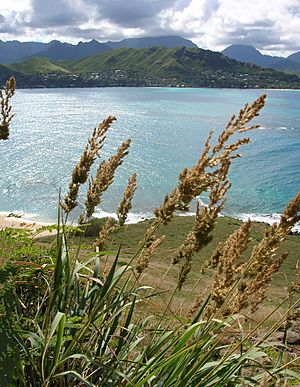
(266, 218)
(132, 218)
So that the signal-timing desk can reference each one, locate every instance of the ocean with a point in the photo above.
(168, 127)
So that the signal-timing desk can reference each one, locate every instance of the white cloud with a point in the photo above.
(214, 24)
(13, 6)
(217, 24)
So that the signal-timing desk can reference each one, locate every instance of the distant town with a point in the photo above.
(127, 78)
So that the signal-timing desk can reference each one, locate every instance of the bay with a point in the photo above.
(168, 128)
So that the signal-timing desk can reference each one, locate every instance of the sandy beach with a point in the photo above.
(19, 222)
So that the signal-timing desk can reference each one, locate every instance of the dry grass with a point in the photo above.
(126, 202)
(81, 171)
(6, 115)
(130, 237)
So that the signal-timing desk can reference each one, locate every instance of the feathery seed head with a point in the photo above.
(109, 227)
(147, 253)
(213, 164)
(82, 169)
(104, 178)
(5, 113)
(125, 204)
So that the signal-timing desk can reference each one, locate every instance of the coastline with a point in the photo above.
(20, 222)
(268, 219)
(17, 222)
(157, 87)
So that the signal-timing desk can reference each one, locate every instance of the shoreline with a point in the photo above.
(21, 223)
(159, 87)
(12, 220)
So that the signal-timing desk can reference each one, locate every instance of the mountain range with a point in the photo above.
(250, 54)
(159, 61)
(14, 51)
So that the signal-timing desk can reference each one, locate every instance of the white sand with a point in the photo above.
(14, 222)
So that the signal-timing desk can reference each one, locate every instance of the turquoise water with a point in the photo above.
(168, 128)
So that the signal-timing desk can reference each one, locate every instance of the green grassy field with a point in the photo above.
(39, 65)
(130, 237)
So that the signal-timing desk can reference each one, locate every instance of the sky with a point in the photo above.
(273, 27)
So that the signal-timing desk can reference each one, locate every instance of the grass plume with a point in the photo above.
(210, 173)
(81, 170)
(240, 284)
(103, 179)
(147, 253)
(109, 227)
(6, 115)
(203, 175)
(125, 204)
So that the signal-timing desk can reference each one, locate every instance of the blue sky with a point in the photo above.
(272, 27)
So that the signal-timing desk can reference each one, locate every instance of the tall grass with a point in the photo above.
(69, 321)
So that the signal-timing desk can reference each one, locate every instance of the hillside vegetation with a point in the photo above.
(156, 61)
(13, 51)
(39, 65)
(152, 66)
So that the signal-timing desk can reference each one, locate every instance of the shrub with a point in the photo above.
(94, 226)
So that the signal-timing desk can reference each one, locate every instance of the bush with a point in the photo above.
(94, 226)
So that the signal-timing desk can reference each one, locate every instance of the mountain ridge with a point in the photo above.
(249, 54)
(13, 51)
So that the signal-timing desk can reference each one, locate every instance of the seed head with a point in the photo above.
(6, 116)
(125, 204)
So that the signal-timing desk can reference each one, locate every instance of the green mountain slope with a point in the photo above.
(154, 61)
(39, 65)
(6, 72)
(190, 66)
(153, 66)
(13, 51)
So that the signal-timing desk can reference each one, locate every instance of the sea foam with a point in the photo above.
(266, 218)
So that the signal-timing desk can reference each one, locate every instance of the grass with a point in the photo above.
(131, 236)
(39, 65)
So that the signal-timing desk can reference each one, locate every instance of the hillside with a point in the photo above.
(294, 57)
(153, 66)
(287, 65)
(38, 65)
(155, 61)
(14, 52)
(188, 66)
(7, 71)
